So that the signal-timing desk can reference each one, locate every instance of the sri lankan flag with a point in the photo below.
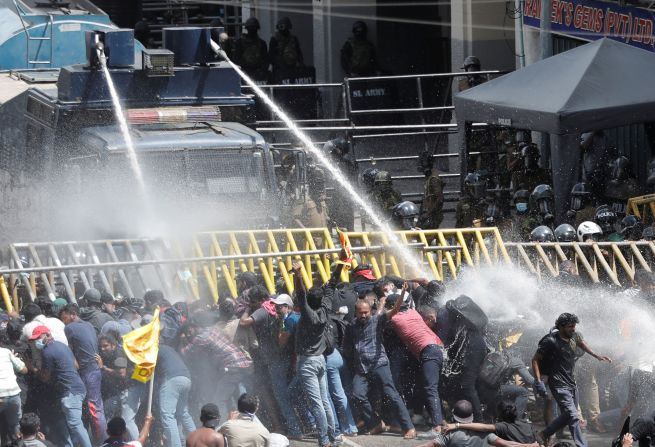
(141, 347)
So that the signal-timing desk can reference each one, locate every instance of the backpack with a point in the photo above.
(335, 331)
(494, 369)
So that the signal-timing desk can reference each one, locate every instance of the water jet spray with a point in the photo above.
(407, 256)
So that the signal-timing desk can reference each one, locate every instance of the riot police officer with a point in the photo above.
(367, 180)
(341, 208)
(621, 187)
(540, 208)
(384, 196)
(431, 214)
(358, 55)
(405, 215)
(606, 219)
(251, 53)
(514, 228)
(582, 204)
(530, 175)
(565, 233)
(542, 233)
(631, 228)
(471, 205)
(284, 47)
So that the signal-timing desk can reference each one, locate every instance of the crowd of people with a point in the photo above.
(332, 361)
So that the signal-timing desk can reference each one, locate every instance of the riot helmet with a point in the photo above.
(530, 154)
(405, 215)
(382, 178)
(360, 29)
(252, 26)
(284, 25)
(521, 199)
(425, 162)
(541, 201)
(580, 196)
(588, 230)
(475, 186)
(337, 147)
(471, 63)
(542, 234)
(492, 215)
(605, 218)
(648, 234)
(565, 233)
(631, 228)
(367, 178)
(620, 168)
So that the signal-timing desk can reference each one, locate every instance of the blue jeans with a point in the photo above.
(344, 417)
(71, 405)
(379, 379)
(313, 377)
(135, 394)
(278, 370)
(566, 401)
(174, 409)
(228, 386)
(10, 409)
(92, 382)
(431, 360)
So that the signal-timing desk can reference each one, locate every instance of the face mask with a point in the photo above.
(521, 207)
(390, 292)
(40, 344)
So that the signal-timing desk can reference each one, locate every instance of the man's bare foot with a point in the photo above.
(410, 434)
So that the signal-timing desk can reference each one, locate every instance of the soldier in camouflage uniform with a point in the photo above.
(358, 55)
(384, 196)
(514, 230)
(251, 52)
(622, 186)
(531, 174)
(284, 47)
(540, 210)
(431, 214)
(471, 206)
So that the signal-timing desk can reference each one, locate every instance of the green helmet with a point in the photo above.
(382, 177)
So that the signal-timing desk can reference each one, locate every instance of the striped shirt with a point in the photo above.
(211, 343)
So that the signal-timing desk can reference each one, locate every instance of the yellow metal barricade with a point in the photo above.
(610, 262)
(642, 207)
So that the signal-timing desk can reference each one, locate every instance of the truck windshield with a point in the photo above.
(202, 172)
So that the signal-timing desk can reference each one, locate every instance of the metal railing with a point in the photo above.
(207, 265)
(609, 262)
(642, 207)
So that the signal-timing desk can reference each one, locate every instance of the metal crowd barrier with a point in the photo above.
(601, 262)
(642, 207)
(207, 264)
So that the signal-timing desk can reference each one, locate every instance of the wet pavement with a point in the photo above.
(393, 440)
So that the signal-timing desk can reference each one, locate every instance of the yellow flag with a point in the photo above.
(141, 347)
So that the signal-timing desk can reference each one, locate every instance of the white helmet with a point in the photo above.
(588, 228)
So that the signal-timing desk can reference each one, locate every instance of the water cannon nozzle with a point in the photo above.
(216, 48)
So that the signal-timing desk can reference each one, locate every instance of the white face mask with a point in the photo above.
(390, 292)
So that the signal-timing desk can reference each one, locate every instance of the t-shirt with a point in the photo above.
(245, 432)
(170, 364)
(518, 431)
(59, 360)
(34, 443)
(83, 341)
(263, 329)
(412, 330)
(9, 366)
(460, 438)
(559, 357)
(56, 326)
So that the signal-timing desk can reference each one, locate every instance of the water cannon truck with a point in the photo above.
(65, 170)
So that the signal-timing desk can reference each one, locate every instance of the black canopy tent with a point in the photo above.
(600, 85)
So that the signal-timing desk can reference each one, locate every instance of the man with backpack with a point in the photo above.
(555, 358)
